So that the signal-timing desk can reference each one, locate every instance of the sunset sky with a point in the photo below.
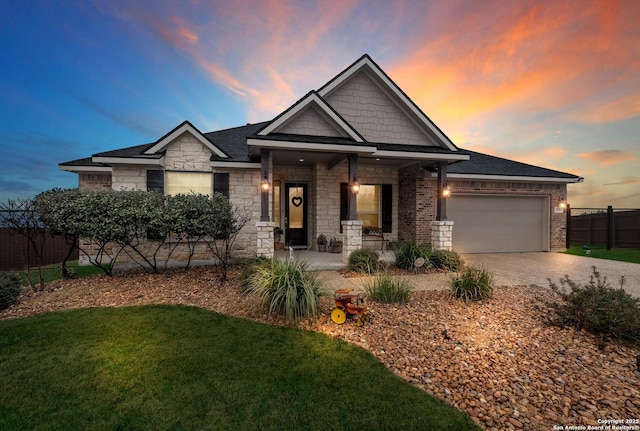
(550, 83)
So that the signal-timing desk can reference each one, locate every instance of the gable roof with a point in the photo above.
(366, 63)
(185, 126)
(311, 99)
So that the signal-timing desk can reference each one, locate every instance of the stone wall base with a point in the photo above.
(264, 246)
(352, 237)
(442, 235)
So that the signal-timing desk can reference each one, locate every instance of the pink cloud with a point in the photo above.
(625, 181)
(608, 157)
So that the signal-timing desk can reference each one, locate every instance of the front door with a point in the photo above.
(296, 215)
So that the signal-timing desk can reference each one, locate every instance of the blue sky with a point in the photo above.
(551, 83)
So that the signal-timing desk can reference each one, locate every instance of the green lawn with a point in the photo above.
(176, 367)
(600, 252)
(52, 272)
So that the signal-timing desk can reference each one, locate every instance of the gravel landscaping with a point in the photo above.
(496, 359)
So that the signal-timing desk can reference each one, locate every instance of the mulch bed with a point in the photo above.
(496, 359)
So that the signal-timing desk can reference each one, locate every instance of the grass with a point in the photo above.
(52, 272)
(600, 252)
(176, 367)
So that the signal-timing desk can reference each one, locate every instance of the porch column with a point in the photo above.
(353, 186)
(265, 185)
(264, 236)
(352, 232)
(441, 211)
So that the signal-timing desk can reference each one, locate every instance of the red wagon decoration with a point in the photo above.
(348, 304)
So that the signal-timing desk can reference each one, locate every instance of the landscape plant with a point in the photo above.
(596, 307)
(285, 287)
(472, 284)
(448, 260)
(364, 261)
(388, 289)
(10, 287)
(407, 252)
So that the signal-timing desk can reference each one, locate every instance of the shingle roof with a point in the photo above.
(484, 164)
(234, 141)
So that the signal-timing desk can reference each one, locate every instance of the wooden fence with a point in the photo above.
(613, 228)
(16, 253)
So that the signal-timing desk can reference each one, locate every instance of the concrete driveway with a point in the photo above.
(536, 268)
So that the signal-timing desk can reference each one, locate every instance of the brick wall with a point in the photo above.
(94, 182)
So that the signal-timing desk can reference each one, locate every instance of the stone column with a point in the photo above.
(352, 237)
(442, 235)
(265, 238)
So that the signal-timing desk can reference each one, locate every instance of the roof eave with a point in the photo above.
(524, 178)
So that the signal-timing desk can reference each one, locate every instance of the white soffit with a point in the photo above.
(301, 106)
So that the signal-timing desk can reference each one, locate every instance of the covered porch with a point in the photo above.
(354, 194)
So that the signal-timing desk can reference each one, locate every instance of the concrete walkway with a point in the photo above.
(508, 268)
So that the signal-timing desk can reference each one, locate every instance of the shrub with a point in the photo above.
(364, 261)
(285, 288)
(472, 284)
(250, 267)
(446, 259)
(407, 253)
(10, 286)
(388, 289)
(597, 307)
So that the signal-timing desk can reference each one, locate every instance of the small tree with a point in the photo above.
(22, 219)
(225, 225)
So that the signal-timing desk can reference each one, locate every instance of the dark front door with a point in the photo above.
(296, 215)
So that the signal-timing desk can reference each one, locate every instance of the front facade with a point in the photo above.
(356, 160)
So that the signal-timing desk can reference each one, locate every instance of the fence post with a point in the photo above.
(568, 228)
(609, 227)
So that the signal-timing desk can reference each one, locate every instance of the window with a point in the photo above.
(276, 202)
(374, 205)
(368, 205)
(221, 184)
(189, 182)
(155, 181)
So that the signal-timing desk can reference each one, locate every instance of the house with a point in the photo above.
(354, 157)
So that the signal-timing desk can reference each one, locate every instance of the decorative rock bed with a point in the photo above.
(496, 359)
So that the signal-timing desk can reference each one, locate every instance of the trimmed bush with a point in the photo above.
(446, 259)
(10, 287)
(388, 289)
(597, 307)
(285, 288)
(364, 261)
(407, 253)
(472, 284)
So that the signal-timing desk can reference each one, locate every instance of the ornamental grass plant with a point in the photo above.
(387, 289)
(472, 284)
(285, 287)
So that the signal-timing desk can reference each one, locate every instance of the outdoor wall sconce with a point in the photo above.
(446, 191)
(355, 186)
(562, 203)
(264, 183)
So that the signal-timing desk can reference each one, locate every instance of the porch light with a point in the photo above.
(264, 183)
(355, 186)
(562, 203)
(446, 191)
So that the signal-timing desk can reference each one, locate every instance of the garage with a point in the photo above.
(498, 223)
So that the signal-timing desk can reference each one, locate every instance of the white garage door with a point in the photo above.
(489, 224)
